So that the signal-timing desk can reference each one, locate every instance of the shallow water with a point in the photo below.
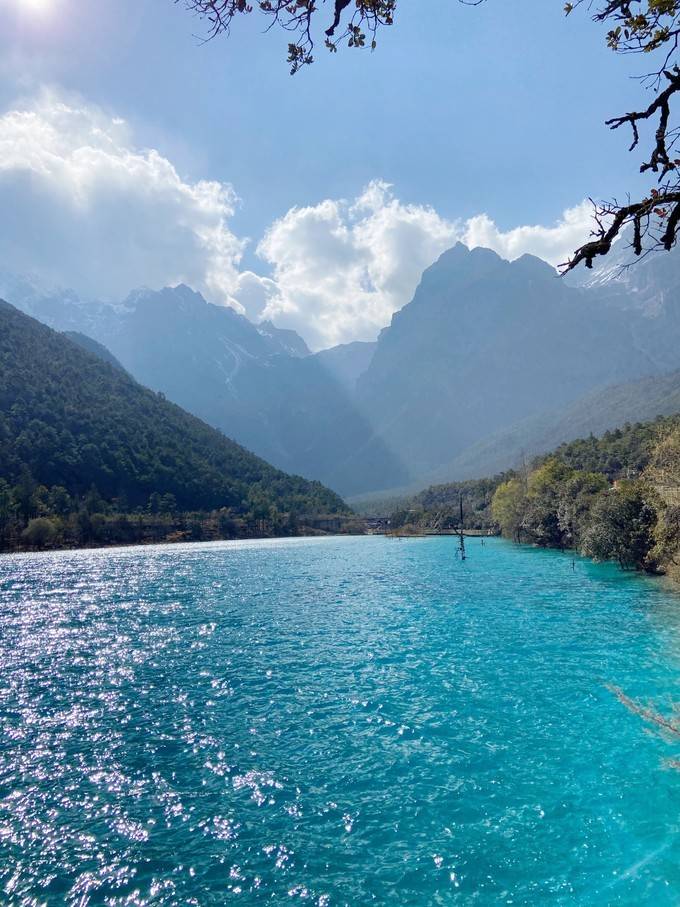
(334, 721)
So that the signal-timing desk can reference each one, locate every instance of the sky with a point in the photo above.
(134, 153)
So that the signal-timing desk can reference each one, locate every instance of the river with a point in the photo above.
(334, 721)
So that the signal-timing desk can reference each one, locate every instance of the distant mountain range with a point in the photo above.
(490, 360)
(595, 413)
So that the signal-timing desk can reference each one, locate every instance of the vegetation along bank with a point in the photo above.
(611, 498)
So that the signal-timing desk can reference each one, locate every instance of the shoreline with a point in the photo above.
(150, 543)
(670, 580)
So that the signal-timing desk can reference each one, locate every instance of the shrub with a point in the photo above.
(40, 532)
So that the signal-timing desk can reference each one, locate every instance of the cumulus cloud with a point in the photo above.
(85, 208)
(553, 244)
(342, 268)
(252, 295)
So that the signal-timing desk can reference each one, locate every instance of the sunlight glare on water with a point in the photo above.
(333, 721)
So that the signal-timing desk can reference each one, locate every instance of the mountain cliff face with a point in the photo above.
(491, 358)
(486, 343)
(257, 384)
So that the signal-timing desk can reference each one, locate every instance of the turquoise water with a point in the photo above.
(333, 721)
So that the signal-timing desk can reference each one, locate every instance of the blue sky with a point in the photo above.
(494, 110)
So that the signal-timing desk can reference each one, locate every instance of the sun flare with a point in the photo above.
(39, 7)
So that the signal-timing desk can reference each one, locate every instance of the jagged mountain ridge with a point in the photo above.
(258, 384)
(486, 343)
(489, 355)
(76, 422)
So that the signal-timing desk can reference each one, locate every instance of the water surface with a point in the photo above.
(334, 721)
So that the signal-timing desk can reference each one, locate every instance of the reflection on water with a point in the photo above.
(333, 721)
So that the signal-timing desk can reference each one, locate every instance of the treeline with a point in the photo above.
(616, 497)
(33, 516)
(613, 498)
(438, 507)
(88, 456)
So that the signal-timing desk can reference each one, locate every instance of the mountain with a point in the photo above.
(486, 343)
(97, 349)
(347, 362)
(76, 422)
(489, 359)
(597, 412)
(289, 341)
(257, 384)
(645, 290)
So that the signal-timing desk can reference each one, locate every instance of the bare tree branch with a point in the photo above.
(300, 17)
(669, 727)
(643, 26)
(650, 27)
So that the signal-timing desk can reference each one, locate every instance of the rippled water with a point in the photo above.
(335, 721)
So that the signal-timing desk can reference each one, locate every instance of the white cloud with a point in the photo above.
(553, 244)
(252, 294)
(83, 207)
(343, 268)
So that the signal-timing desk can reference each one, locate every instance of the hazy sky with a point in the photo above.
(131, 152)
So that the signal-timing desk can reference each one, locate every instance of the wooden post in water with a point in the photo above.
(462, 534)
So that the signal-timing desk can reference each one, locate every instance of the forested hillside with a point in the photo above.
(616, 497)
(597, 412)
(256, 383)
(79, 438)
(490, 361)
(92, 346)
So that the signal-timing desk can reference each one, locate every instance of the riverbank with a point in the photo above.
(83, 530)
(611, 498)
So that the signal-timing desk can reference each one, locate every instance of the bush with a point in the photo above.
(622, 527)
(40, 533)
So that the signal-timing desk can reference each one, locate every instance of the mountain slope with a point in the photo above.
(75, 421)
(486, 361)
(347, 362)
(597, 412)
(486, 343)
(254, 383)
(92, 346)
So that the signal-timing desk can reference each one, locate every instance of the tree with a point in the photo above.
(40, 532)
(664, 473)
(622, 527)
(24, 493)
(7, 509)
(508, 507)
(299, 17)
(544, 494)
(168, 504)
(576, 502)
(648, 27)
(59, 500)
